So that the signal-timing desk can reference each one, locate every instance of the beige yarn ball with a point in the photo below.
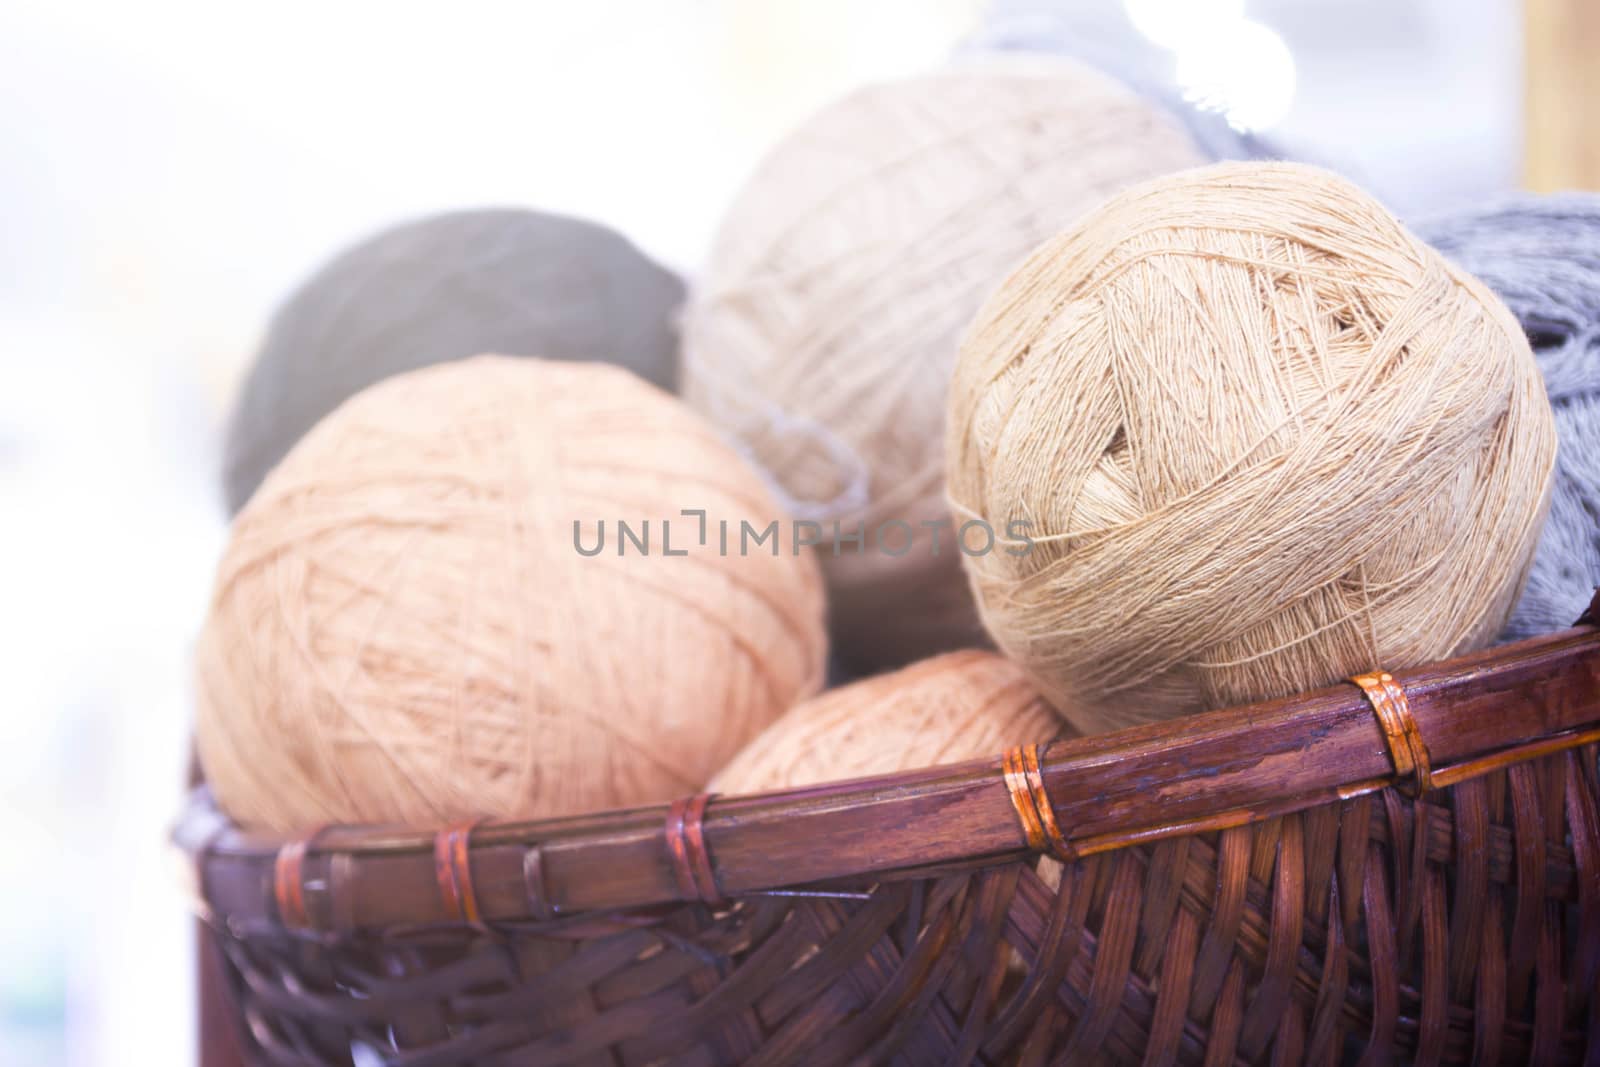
(403, 629)
(962, 705)
(1266, 439)
(824, 327)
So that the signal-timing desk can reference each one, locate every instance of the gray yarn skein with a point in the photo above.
(1101, 35)
(1541, 255)
(507, 281)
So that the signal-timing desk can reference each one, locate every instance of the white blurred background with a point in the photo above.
(170, 168)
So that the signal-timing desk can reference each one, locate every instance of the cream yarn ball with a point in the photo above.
(1266, 438)
(403, 629)
(958, 706)
(822, 331)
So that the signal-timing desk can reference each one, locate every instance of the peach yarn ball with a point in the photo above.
(823, 329)
(403, 631)
(962, 705)
(1266, 438)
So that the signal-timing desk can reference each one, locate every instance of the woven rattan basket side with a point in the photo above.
(1404, 869)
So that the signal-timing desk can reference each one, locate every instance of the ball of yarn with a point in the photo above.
(958, 706)
(823, 330)
(1541, 255)
(1264, 438)
(1103, 36)
(409, 626)
(446, 287)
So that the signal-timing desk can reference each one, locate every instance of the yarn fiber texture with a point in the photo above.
(1265, 437)
(958, 706)
(823, 330)
(403, 630)
(446, 287)
(1101, 35)
(1541, 255)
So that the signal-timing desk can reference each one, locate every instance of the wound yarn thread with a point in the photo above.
(1102, 36)
(1266, 439)
(1541, 255)
(822, 331)
(445, 287)
(958, 706)
(402, 629)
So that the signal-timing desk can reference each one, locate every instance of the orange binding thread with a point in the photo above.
(686, 846)
(1025, 783)
(1400, 733)
(533, 884)
(452, 866)
(288, 884)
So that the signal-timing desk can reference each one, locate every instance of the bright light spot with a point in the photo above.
(1242, 69)
(1176, 23)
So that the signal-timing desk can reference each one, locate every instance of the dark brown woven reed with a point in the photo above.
(1405, 869)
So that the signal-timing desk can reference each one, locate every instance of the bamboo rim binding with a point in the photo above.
(289, 883)
(1400, 732)
(452, 865)
(1025, 781)
(1031, 798)
(686, 845)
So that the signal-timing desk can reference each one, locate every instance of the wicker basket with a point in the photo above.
(1404, 869)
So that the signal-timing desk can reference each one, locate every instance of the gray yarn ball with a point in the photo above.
(1541, 254)
(1101, 35)
(507, 281)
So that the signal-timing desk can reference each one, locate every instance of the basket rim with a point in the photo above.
(1476, 713)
